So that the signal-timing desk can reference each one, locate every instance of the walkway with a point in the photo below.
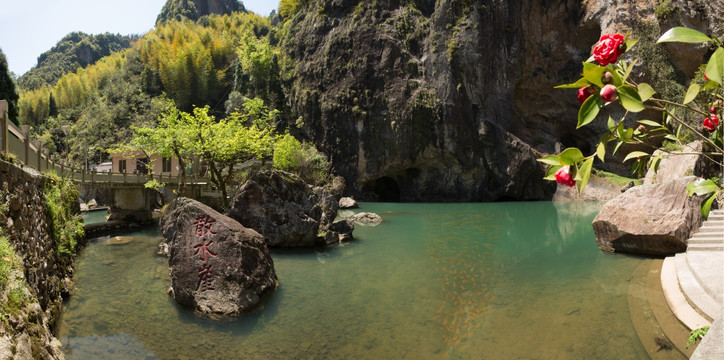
(693, 284)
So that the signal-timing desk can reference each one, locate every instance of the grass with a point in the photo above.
(615, 179)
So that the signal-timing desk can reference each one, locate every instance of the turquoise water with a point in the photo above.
(434, 281)
(95, 216)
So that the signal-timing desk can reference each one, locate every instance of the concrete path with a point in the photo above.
(693, 284)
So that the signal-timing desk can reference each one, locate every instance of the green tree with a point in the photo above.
(7, 88)
(222, 144)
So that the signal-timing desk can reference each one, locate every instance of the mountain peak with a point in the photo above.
(194, 9)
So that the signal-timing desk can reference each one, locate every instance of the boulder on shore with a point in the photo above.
(218, 267)
(287, 212)
(649, 219)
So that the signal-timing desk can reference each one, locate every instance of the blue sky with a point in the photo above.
(30, 27)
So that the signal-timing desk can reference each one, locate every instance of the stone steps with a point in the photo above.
(693, 282)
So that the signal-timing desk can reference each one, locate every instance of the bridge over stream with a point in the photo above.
(125, 193)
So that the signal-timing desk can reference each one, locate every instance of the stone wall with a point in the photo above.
(26, 325)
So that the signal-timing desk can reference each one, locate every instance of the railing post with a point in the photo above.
(110, 176)
(47, 159)
(4, 126)
(62, 167)
(93, 176)
(82, 172)
(26, 134)
(37, 151)
(125, 175)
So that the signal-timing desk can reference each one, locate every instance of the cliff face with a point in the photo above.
(447, 100)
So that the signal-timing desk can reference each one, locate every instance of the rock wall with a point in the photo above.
(454, 100)
(26, 330)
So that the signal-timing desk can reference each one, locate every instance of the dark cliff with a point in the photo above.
(450, 100)
(194, 9)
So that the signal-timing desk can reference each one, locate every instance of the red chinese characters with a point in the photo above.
(203, 226)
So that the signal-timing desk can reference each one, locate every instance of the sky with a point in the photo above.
(28, 28)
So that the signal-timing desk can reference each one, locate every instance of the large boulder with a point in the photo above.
(287, 212)
(218, 267)
(649, 219)
(682, 163)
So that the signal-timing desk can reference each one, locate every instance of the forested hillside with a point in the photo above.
(73, 51)
(190, 63)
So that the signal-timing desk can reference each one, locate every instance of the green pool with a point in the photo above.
(435, 281)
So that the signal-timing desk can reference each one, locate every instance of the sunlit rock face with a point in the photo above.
(454, 100)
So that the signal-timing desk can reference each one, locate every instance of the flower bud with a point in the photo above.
(709, 124)
(607, 78)
(641, 128)
(712, 110)
(584, 93)
(608, 93)
(715, 120)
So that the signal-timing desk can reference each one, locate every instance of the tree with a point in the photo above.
(7, 88)
(221, 144)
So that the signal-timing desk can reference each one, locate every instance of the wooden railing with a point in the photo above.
(16, 141)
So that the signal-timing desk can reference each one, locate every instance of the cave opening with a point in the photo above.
(387, 189)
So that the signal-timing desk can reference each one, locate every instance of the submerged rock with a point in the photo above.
(282, 208)
(366, 218)
(217, 266)
(649, 219)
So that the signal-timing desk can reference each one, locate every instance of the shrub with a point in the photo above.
(67, 226)
(302, 159)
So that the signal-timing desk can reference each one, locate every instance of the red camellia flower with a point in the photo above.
(584, 93)
(712, 110)
(609, 48)
(709, 124)
(564, 177)
(608, 93)
(714, 119)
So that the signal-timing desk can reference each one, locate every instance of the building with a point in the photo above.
(139, 163)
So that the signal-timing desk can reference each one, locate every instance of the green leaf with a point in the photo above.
(589, 110)
(715, 66)
(570, 156)
(685, 35)
(629, 69)
(618, 145)
(655, 161)
(550, 160)
(576, 85)
(584, 173)
(691, 93)
(551, 172)
(630, 98)
(593, 75)
(601, 150)
(702, 187)
(706, 206)
(611, 124)
(635, 155)
(649, 123)
(646, 91)
(671, 137)
(630, 43)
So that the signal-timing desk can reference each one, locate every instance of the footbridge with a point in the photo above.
(124, 192)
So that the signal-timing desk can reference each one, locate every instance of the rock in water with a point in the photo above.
(218, 266)
(348, 203)
(649, 219)
(282, 208)
(366, 218)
